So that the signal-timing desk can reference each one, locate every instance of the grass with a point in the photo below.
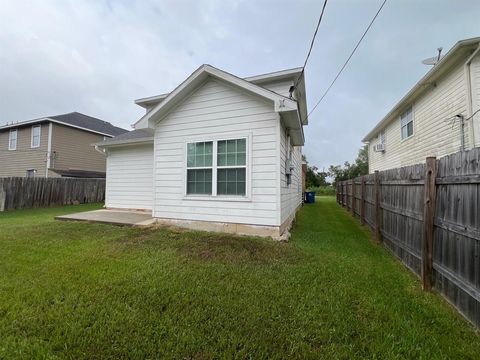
(92, 291)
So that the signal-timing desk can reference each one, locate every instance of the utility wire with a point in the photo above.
(348, 59)
(471, 116)
(311, 44)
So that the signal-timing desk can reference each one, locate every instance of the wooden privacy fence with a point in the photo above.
(23, 193)
(427, 215)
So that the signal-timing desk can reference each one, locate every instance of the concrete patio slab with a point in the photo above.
(115, 217)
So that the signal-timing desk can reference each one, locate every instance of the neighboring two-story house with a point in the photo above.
(54, 146)
(438, 116)
(217, 153)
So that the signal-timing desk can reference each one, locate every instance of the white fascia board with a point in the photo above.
(277, 75)
(106, 144)
(282, 103)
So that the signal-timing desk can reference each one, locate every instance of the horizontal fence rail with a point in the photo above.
(23, 193)
(428, 216)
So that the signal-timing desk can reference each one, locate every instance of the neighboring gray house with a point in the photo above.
(54, 146)
(217, 153)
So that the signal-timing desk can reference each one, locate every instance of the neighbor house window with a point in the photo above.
(199, 168)
(406, 120)
(12, 139)
(217, 167)
(35, 136)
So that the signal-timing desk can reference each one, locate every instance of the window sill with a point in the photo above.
(218, 198)
(406, 139)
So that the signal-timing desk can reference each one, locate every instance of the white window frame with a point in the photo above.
(406, 124)
(248, 166)
(32, 145)
(10, 139)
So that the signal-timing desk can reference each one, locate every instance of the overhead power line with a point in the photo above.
(311, 44)
(348, 59)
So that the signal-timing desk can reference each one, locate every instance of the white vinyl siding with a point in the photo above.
(218, 111)
(129, 182)
(36, 133)
(12, 139)
(434, 134)
(280, 87)
(291, 193)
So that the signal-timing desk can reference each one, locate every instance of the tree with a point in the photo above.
(350, 171)
(315, 178)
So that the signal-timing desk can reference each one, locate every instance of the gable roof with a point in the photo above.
(148, 101)
(75, 120)
(430, 77)
(281, 103)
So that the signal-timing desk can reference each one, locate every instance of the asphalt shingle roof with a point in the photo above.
(130, 136)
(89, 122)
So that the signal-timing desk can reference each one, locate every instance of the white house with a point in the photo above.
(218, 153)
(437, 117)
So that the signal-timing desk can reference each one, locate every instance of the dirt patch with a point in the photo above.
(237, 249)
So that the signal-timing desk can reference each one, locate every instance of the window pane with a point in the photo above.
(199, 154)
(222, 147)
(199, 160)
(241, 145)
(191, 160)
(199, 181)
(241, 159)
(231, 182)
(231, 152)
(410, 128)
(231, 159)
(404, 132)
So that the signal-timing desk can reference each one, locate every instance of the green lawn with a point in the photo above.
(78, 290)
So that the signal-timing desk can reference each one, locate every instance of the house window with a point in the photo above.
(199, 168)
(35, 136)
(381, 137)
(406, 120)
(231, 167)
(217, 167)
(12, 139)
(31, 173)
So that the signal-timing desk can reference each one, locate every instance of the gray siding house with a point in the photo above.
(54, 146)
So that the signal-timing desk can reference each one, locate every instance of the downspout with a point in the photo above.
(49, 149)
(469, 95)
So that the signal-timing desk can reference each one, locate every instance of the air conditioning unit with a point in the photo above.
(379, 147)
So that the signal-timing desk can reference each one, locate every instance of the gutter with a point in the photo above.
(468, 80)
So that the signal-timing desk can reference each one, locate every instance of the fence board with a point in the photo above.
(24, 193)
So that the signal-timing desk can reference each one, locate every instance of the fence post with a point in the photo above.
(378, 215)
(428, 221)
(362, 200)
(353, 198)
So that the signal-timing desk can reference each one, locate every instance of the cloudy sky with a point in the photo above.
(96, 56)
